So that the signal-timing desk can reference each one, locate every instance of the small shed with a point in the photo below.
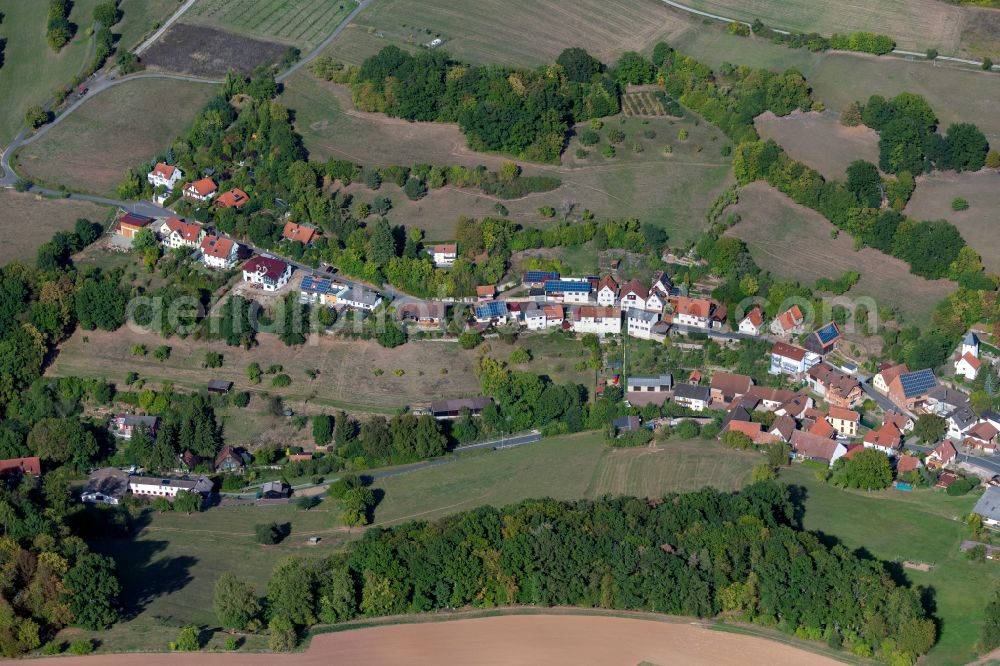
(274, 490)
(219, 386)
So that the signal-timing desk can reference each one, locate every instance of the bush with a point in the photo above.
(959, 204)
(470, 339)
(589, 137)
(268, 534)
(52, 648)
(281, 381)
(608, 152)
(187, 640)
(241, 399)
(213, 359)
(81, 647)
(616, 136)
(415, 189)
(962, 486)
(987, 65)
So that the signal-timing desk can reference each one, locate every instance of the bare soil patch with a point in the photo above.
(795, 242)
(200, 51)
(819, 140)
(571, 640)
(27, 221)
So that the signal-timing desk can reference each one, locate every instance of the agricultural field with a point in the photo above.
(347, 369)
(19, 210)
(31, 71)
(819, 140)
(932, 200)
(519, 32)
(140, 18)
(673, 190)
(642, 104)
(923, 527)
(207, 52)
(300, 23)
(122, 127)
(794, 242)
(915, 24)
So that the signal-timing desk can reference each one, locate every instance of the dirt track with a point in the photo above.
(507, 641)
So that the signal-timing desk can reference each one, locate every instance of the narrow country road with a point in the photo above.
(163, 28)
(312, 55)
(991, 464)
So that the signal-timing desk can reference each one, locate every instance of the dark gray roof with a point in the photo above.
(460, 403)
(643, 315)
(108, 481)
(137, 419)
(692, 392)
(963, 416)
(663, 380)
(627, 423)
(988, 505)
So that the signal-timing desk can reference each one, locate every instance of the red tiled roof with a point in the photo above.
(822, 428)
(636, 287)
(486, 290)
(217, 246)
(973, 362)
(984, 431)
(202, 187)
(596, 311)
(553, 311)
(234, 198)
(272, 268)
(21, 466)
(755, 317)
(609, 282)
(906, 464)
(888, 436)
(945, 451)
(788, 351)
(694, 307)
(164, 171)
(730, 384)
(444, 248)
(790, 318)
(189, 231)
(813, 446)
(299, 232)
(134, 221)
(892, 372)
(844, 414)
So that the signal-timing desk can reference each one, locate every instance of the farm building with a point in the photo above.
(452, 409)
(131, 223)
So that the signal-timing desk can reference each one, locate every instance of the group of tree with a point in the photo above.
(863, 42)
(404, 438)
(58, 29)
(698, 554)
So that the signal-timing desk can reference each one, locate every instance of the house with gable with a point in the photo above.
(633, 296)
(910, 390)
(788, 323)
(752, 323)
(844, 421)
(303, 233)
(885, 376)
(124, 425)
(607, 292)
(807, 446)
(692, 396)
(269, 273)
(694, 312)
(175, 232)
(201, 190)
(982, 436)
(234, 198)
(661, 285)
(887, 438)
(601, 321)
(164, 175)
(443, 254)
(824, 340)
(834, 386)
(942, 456)
(726, 387)
(219, 252)
(640, 323)
(788, 359)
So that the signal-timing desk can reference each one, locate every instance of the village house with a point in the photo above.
(887, 438)
(752, 322)
(568, 290)
(885, 376)
(807, 446)
(157, 486)
(625, 424)
(124, 425)
(906, 464)
(903, 423)
(661, 285)
(942, 456)
(982, 436)
(909, 390)
(486, 292)
(766, 398)
(533, 316)
(788, 359)
(131, 223)
(607, 291)
(788, 323)
(269, 273)
(164, 175)
(960, 421)
(443, 254)
(844, 421)
(642, 391)
(234, 198)
(492, 312)
(175, 233)
(601, 321)
(15, 470)
(219, 252)
(695, 398)
(452, 409)
(230, 459)
(824, 340)
(834, 386)
(319, 290)
(303, 233)
(633, 296)
(107, 485)
(639, 323)
(201, 190)
(726, 387)
(755, 431)
(943, 400)
(783, 427)
(796, 406)
(426, 314)
(538, 278)
(693, 312)
(820, 426)
(359, 298)
(968, 366)
(988, 507)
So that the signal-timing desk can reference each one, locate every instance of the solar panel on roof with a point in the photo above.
(491, 310)
(540, 276)
(564, 285)
(915, 383)
(828, 333)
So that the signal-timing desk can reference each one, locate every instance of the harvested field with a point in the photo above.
(121, 127)
(672, 190)
(44, 216)
(206, 52)
(347, 377)
(517, 32)
(819, 140)
(301, 23)
(794, 242)
(932, 200)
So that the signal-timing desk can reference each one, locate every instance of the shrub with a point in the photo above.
(415, 189)
(52, 648)
(962, 486)
(589, 137)
(608, 152)
(187, 640)
(161, 353)
(281, 381)
(581, 154)
(241, 399)
(616, 135)
(268, 534)
(959, 204)
(547, 211)
(987, 64)
(81, 647)
(213, 359)
(470, 339)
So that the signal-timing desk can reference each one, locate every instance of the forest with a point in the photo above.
(700, 554)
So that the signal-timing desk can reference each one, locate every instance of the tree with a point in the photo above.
(290, 592)
(868, 469)
(580, 66)
(930, 428)
(282, 635)
(762, 472)
(993, 159)
(470, 339)
(36, 116)
(989, 638)
(357, 502)
(322, 429)
(736, 440)
(268, 534)
(864, 181)
(382, 247)
(235, 602)
(63, 441)
(391, 335)
(92, 591)
(415, 189)
(633, 68)
(187, 502)
(187, 640)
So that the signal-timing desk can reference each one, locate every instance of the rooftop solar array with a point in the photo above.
(828, 333)
(540, 276)
(491, 310)
(915, 383)
(567, 286)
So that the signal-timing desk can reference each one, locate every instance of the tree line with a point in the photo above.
(699, 554)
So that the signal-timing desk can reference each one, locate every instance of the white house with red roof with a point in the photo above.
(219, 252)
(695, 312)
(788, 359)
(304, 233)
(633, 295)
(270, 273)
(201, 190)
(789, 322)
(443, 254)
(165, 175)
(752, 323)
(175, 232)
(234, 198)
(607, 292)
(598, 320)
(968, 366)
(942, 455)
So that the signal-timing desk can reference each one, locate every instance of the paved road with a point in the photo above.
(490, 445)
(312, 55)
(163, 28)
(990, 463)
(881, 400)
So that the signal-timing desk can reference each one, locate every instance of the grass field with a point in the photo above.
(932, 200)
(44, 216)
(141, 17)
(120, 128)
(819, 140)
(31, 70)
(794, 242)
(301, 23)
(671, 190)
